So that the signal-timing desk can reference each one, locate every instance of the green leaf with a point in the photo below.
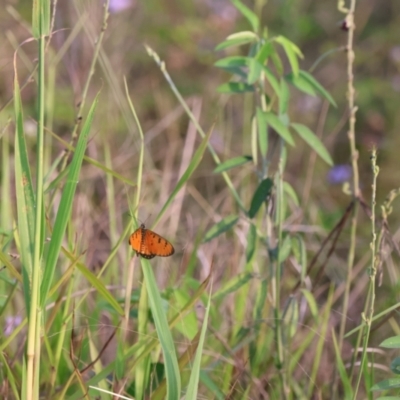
(279, 127)
(272, 81)
(262, 131)
(235, 87)
(301, 84)
(233, 285)
(392, 383)
(235, 65)
(248, 14)
(235, 61)
(255, 69)
(192, 389)
(313, 141)
(251, 242)
(232, 163)
(260, 195)
(312, 304)
(100, 287)
(288, 189)
(220, 227)
(172, 372)
(283, 98)
(347, 386)
(24, 196)
(40, 18)
(264, 52)
(292, 52)
(317, 86)
(214, 388)
(290, 317)
(285, 249)
(237, 39)
(188, 325)
(65, 207)
(391, 343)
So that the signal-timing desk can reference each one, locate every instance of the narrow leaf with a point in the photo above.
(233, 285)
(288, 189)
(279, 127)
(313, 141)
(301, 84)
(251, 242)
(255, 69)
(65, 207)
(228, 62)
(262, 131)
(221, 227)
(192, 389)
(283, 98)
(272, 81)
(164, 334)
(317, 86)
(232, 163)
(265, 51)
(260, 195)
(100, 288)
(248, 14)
(24, 195)
(235, 87)
(40, 18)
(237, 39)
(292, 53)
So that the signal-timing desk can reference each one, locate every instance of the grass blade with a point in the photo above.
(24, 195)
(195, 374)
(64, 210)
(164, 334)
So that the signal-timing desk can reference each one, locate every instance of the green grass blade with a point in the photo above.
(220, 227)
(232, 163)
(164, 334)
(192, 389)
(101, 289)
(40, 18)
(64, 210)
(232, 285)
(24, 195)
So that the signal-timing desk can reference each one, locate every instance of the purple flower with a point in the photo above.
(339, 174)
(11, 324)
(117, 6)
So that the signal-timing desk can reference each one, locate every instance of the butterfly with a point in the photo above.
(149, 244)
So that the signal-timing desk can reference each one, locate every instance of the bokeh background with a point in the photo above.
(185, 34)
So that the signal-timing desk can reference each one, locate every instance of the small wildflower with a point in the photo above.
(339, 174)
(117, 6)
(11, 324)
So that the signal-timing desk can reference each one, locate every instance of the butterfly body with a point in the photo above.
(149, 244)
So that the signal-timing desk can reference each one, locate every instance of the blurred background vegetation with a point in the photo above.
(185, 34)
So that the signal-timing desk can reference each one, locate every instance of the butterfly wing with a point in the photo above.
(149, 244)
(157, 245)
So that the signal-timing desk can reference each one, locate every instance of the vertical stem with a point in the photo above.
(278, 272)
(354, 158)
(369, 305)
(33, 345)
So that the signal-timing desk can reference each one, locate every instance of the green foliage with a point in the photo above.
(248, 306)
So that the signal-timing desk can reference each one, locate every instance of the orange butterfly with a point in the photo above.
(148, 244)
